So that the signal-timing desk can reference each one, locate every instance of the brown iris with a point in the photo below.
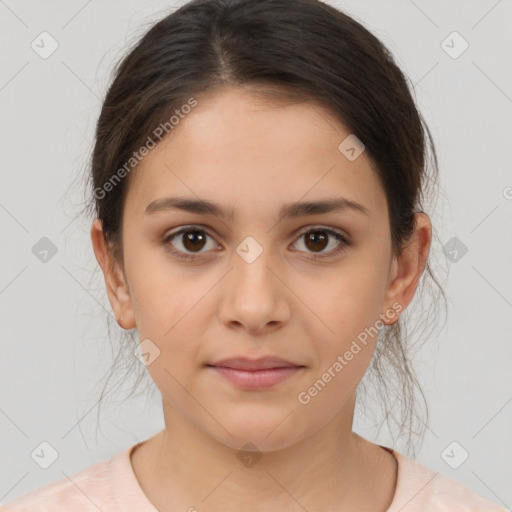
(194, 239)
(319, 242)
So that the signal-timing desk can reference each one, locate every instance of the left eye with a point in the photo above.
(193, 239)
(317, 239)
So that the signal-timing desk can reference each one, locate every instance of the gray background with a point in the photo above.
(53, 332)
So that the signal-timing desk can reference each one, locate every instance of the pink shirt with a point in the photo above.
(111, 486)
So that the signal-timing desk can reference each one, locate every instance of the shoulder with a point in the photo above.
(85, 491)
(421, 489)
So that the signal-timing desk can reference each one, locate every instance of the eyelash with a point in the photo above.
(344, 243)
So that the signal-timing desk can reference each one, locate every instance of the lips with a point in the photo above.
(255, 374)
(247, 364)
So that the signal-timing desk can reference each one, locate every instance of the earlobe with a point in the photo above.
(407, 268)
(117, 288)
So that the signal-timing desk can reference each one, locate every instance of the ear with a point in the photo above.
(407, 268)
(115, 281)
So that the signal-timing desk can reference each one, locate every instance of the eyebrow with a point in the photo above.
(288, 211)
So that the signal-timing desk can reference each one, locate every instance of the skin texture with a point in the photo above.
(253, 156)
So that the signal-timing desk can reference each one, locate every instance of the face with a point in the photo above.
(312, 287)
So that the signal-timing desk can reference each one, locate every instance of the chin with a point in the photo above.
(266, 434)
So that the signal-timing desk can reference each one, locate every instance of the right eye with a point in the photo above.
(190, 241)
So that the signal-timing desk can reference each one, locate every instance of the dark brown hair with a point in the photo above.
(297, 49)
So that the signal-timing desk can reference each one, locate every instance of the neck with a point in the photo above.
(183, 467)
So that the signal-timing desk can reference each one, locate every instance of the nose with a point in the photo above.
(255, 297)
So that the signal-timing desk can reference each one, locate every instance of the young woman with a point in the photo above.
(257, 179)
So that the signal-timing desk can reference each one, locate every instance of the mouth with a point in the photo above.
(262, 363)
(255, 374)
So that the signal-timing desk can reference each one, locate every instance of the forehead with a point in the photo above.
(241, 149)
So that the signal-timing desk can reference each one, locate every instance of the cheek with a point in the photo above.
(343, 351)
(350, 298)
(164, 294)
(348, 305)
(174, 326)
(172, 318)
(170, 313)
